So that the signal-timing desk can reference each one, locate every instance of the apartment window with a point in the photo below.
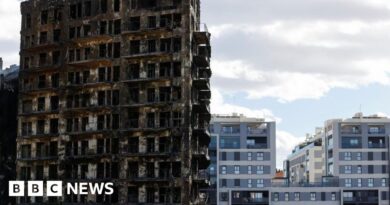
(333, 196)
(41, 104)
(26, 151)
(117, 50)
(54, 103)
(249, 156)
(43, 38)
(370, 156)
(347, 156)
(296, 196)
(348, 169)
(134, 47)
(28, 21)
(223, 169)
(348, 182)
(286, 196)
(370, 169)
(358, 156)
(260, 156)
(370, 182)
(383, 182)
(351, 142)
(259, 183)
(103, 6)
(359, 182)
(249, 169)
(236, 169)
(135, 23)
(54, 126)
(237, 182)
(312, 196)
(151, 46)
(223, 182)
(359, 169)
(276, 196)
(236, 156)
(259, 169)
(152, 22)
(42, 59)
(44, 17)
(223, 156)
(117, 5)
(249, 183)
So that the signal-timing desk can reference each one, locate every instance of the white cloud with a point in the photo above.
(285, 143)
(218, 106)
(10, 22)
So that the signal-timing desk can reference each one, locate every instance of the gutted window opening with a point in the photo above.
(135, 23)
(44, 17)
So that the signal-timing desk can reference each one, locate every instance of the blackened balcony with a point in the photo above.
(202, 36)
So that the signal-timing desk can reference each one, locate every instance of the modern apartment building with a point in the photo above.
(355, 168)
(117, 91)
(304, 164)
(356, 150)
(246, 162)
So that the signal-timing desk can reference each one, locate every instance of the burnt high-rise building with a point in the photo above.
(115, 91)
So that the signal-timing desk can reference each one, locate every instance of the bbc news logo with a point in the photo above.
(54, 188)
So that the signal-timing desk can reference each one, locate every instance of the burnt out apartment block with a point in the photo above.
(116, 91)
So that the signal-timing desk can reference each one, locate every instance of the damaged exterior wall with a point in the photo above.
(116, 91)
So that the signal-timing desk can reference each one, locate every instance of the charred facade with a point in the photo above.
(118, 91)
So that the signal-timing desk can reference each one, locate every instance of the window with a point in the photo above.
(230, 142)
(44, 16)
(276, 196)
(348, 196)
(152, 22)
(312, 196)
(358, 156)
(223, 182)
(249, 183)
(249, 169)
(286, 196)
(359, 169)
(224, 196)
(249, 156)
(348, 182)
(223, 170)
(370, 169)
(135, 23)
(259, 183)
(348, 169)
(333, 196)
(236, 156)
(370, 156)
(351, 142)
(236, 169)
(117, 5)
(259, 169)
(359, 182)
(296, 196)
(237, 182)
(260, 156)
(347, 156)
(383, 182)
(370, 182)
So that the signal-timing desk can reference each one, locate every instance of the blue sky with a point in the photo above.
(298, 62)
